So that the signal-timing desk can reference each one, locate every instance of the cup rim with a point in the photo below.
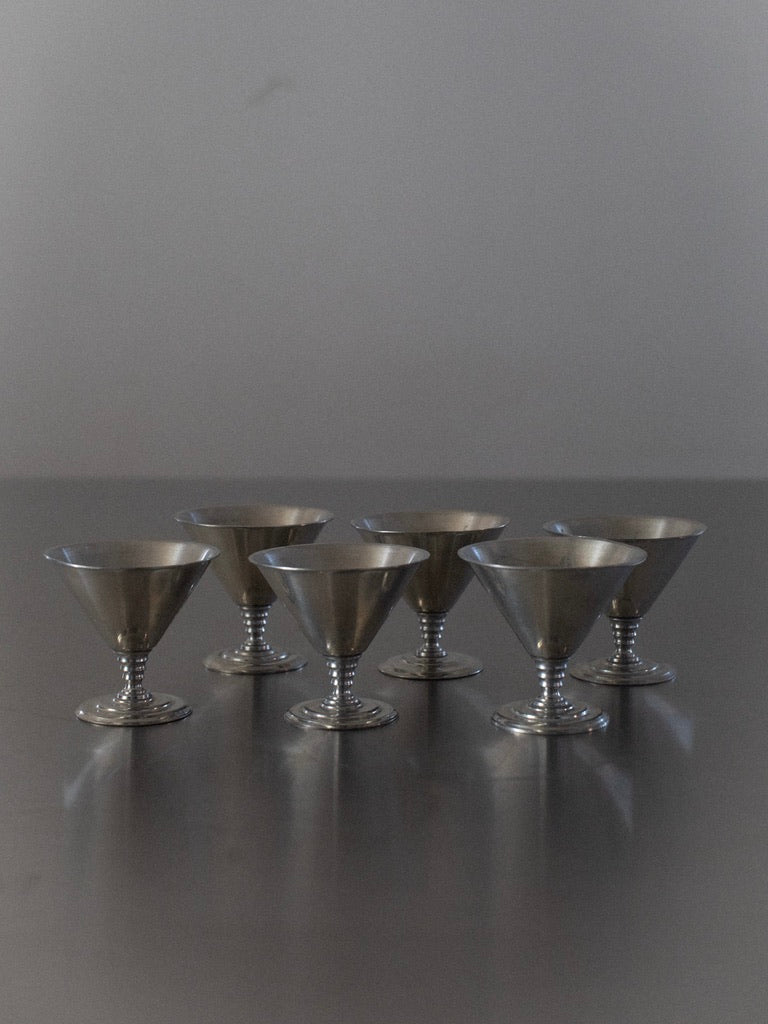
(309, 516)
(408, 556)
(488, 521)
(679, 527)
(623, 554)
(142, 555)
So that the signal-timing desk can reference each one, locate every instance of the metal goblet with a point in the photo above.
(436, 585)
(132, 591)
(340, 595)
(550, 590)
(238, 531)
(666, 541)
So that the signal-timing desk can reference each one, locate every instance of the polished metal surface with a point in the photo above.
(550, 590)
(436, 585)
(666, 541)
(340, 595)
(229, 868)
(132, 591)
(237, 531)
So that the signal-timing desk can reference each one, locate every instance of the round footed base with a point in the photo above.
(605, 672)
(524, 716)
(316, 714)
(412, 666)
(108, 710)
(235, 662)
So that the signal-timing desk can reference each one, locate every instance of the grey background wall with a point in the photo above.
(415, 237)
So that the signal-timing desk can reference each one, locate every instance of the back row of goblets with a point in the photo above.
(551, 589)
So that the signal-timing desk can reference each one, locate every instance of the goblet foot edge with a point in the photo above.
(236, 662)
(416, 666)
(524, 716)
(638, 673)
(320, 714)
(109, 710)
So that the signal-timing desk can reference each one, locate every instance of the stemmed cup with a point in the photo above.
(340, 595)
(132, 591)
(436, 585)
(238, 531)
(666, 541)
(550, 590)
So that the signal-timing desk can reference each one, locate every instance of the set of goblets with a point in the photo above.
(549, 588)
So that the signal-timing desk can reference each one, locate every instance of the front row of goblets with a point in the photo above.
(550, 589)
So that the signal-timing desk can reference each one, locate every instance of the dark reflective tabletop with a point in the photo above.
(230, 868)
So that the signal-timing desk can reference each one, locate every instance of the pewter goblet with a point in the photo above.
(132, 591)
(666, 541)
(551, 590)
(436, 585)
(238, 531)
(340, 595)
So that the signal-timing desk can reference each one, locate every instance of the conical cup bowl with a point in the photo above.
(550, 590)
(132, 591)
(340, 596)
(666, 541)
(238, 531)
(437, 583)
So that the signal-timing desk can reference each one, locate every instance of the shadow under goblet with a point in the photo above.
(340, 595)
(666, 541)
(132, 591)
(436, 585)
(550, 590)
(238, 531)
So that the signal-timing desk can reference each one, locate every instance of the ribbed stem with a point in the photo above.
(255, 623)
(132, 669)
(551, 677)
(342, 675)
(431, 625)
(624, 636)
